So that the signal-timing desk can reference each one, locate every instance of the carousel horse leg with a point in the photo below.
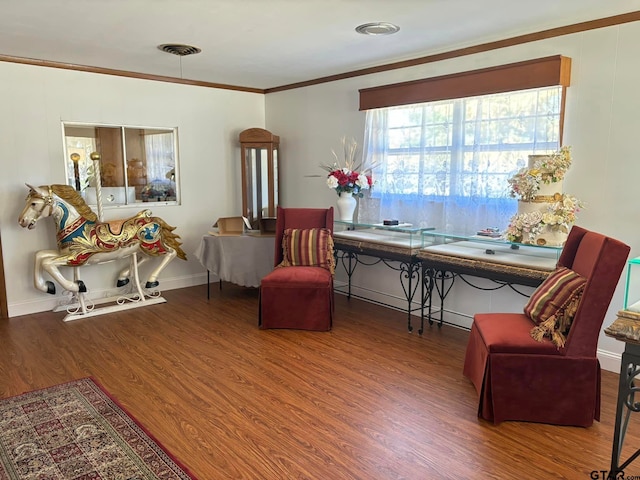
(80, 294)
(51, 264)
(152, 281)
(123, 276)
(136, 277)
(76, 278)
(39, 282)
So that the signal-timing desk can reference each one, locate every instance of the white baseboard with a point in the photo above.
(610, 361)
(49, 302)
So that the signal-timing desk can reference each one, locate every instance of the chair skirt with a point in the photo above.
(520, 379)
(297, 298)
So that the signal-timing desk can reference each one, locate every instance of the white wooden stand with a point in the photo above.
(81, 306)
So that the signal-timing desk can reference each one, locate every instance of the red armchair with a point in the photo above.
(299, 297)
(519, 378)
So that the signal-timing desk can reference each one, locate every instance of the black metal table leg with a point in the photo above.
(442, 291)
(409, 270)
(209, 284)
(426, 292)
(626, 404)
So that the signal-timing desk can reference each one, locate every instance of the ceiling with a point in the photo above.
(270, 43)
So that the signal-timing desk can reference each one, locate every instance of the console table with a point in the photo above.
(430, 259)
(386, 244)
(626, 328)
(446, 256)
(396, 246)
(239, 259)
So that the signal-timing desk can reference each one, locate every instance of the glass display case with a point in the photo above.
(446, 256)
(632, 286)
(403, 235)
(395, 246)
(259, 174)
(492, 249)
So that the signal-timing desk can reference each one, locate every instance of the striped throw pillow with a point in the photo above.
(312, 247)
(554, 303)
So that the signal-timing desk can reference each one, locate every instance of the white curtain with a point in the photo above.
(446, 164)
(160, 157)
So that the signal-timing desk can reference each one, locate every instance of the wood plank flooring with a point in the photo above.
(367, 400)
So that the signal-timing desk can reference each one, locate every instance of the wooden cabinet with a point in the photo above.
(260, 165)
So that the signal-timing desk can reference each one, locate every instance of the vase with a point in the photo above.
(346, 206)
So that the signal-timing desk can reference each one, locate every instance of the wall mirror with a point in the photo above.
(138, 164)
(259, 174)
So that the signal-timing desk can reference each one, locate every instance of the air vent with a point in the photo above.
(179, 49)
(377, 28)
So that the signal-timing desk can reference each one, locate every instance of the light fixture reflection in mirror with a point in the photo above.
(75, 158)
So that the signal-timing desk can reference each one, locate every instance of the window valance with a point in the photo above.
(541, 72)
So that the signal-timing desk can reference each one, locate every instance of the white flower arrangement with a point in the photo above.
(346, 178)
(559, 215)
(546, 169)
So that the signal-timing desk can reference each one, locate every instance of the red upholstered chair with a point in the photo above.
(519, 378)
(299, 297)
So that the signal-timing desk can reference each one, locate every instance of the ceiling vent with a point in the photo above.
(179, 49)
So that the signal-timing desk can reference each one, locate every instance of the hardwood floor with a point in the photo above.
(367, 400)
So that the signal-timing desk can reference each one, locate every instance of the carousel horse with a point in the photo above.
(83, 240)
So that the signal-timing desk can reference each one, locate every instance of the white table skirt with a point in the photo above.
(242, 259)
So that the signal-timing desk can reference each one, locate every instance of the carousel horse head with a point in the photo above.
(83, 240)
(39, 204)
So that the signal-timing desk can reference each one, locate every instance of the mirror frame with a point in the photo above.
(124, 181)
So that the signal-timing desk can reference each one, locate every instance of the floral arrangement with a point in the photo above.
(347, 178)
(559, 216)
(546, 169)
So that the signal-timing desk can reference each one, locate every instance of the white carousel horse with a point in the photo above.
(83, 240)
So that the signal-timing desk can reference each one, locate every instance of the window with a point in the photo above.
(443, 148)
(445, 164)
(137, 164)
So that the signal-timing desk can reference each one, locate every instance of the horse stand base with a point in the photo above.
(113, 308)
(79, 305)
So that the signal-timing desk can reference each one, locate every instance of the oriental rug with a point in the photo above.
(76, 431)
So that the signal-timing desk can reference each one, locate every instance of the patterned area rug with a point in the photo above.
(77, 431)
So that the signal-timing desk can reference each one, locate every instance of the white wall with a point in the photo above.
(35, 100)
(602, 124)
